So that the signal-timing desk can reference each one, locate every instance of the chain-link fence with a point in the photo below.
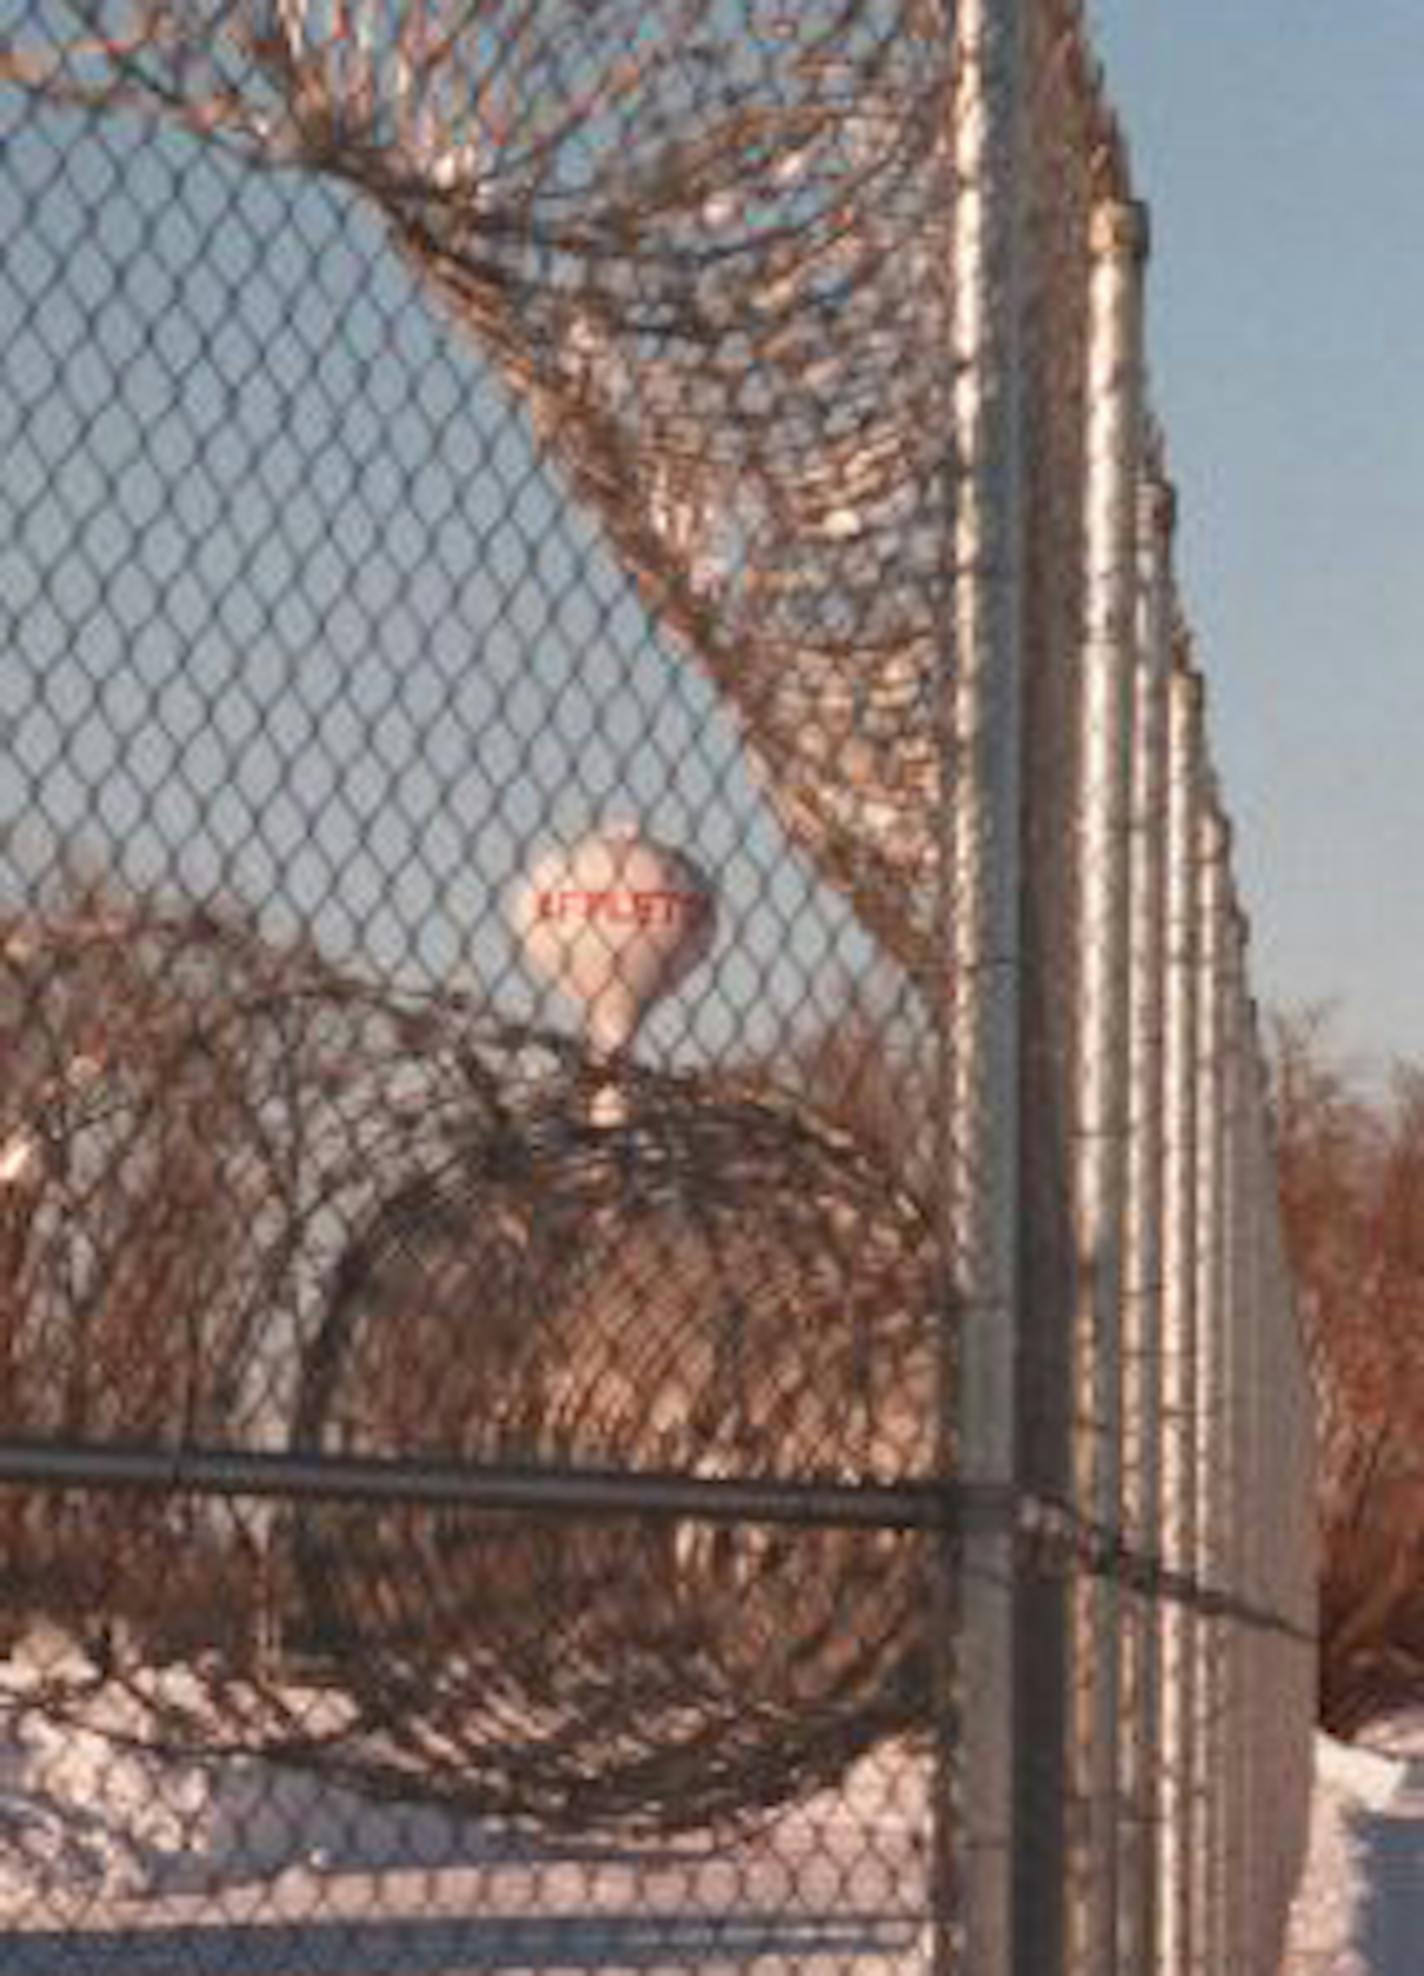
(642, 1322)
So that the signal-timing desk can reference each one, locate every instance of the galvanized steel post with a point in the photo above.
(1253, 1314)
(1142, 1260)
(1215, 907)
(1241, 1508)
(1118, 240)
(1179, 1289)
(981, 731)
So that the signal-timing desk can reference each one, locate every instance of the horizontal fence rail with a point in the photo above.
(643, 1318)
(1046, 1531)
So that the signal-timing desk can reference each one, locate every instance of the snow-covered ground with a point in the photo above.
(1360, 1907)
(115, 1862)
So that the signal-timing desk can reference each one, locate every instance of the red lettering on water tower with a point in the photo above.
(621, 906)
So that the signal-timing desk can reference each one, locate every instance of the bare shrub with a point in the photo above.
(1352, 1193)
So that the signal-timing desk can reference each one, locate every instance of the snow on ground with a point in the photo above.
(1359, 1910)
(118, 1862)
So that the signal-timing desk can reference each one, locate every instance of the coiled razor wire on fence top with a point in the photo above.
(251, 1202)
(708, 248)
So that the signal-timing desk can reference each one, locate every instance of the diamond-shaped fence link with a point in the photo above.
(642, 1320)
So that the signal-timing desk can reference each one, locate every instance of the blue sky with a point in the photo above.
(1280, 145)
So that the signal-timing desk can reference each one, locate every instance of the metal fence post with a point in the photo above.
(981, 734)
(1113, 455)
(1212, 1484)
(1227, 1477)
(1142, 1304)
(1251, 1312)
(1242, 1512)
(1179, 1285)
(1269, 1300)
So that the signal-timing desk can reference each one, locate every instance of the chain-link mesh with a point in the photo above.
(547, 1423)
